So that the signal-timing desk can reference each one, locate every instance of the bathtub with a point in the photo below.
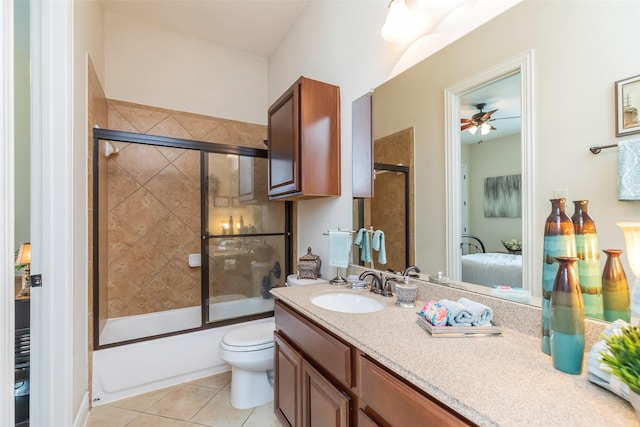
(128, 370)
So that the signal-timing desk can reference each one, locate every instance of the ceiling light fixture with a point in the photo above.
(400, 24)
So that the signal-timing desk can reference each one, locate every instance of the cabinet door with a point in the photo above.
(323, 405)
(288, 381)
(284, 144)
(389, 401)
(362, 140)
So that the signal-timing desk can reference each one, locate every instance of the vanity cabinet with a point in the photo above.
(381, 394)
(313, 374)
(304, 142)
(322, 381)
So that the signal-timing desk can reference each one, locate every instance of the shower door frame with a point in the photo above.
(204, 148)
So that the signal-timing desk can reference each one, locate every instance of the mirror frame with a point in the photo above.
(522, 63)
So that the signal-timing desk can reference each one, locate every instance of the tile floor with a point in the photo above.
(203, 402)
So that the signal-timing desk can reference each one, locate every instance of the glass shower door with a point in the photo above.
(245, 239)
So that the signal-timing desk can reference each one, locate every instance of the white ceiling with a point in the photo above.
(253, 26)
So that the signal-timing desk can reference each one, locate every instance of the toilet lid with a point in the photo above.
(250, 337)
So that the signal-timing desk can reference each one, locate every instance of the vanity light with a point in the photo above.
(400, 24)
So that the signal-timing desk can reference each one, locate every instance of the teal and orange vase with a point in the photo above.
(559, 240)
(589, 274)
(567, 318)
(615, 288)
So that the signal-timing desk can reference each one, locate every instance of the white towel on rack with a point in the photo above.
(339, 248)
(629, 170)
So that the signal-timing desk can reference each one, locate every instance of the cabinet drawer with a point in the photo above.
(328, 352)
(387, 400)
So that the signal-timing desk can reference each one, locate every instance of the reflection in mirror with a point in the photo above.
(575, 71)
(391, 210)
(490, 172)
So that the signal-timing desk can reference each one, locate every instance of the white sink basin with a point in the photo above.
(345, 302)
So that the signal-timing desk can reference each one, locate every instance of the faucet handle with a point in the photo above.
(386, 291)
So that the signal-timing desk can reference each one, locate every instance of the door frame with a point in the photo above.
(53, 348)
(7, 220)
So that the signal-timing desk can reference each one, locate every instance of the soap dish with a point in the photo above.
(458, 331)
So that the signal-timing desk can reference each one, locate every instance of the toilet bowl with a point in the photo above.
(249, 351)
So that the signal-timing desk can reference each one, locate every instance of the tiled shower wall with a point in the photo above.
(148, 248)
(388, 214)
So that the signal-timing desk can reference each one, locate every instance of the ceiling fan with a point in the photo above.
(479, 120)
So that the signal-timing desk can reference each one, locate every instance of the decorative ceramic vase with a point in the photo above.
(559, 240)
(631, 232)
(567, 318)
(615, 288)
(590, 277)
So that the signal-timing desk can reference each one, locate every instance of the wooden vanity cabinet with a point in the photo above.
(304, 142)
(313, 374)
(386, 400)
(323, 381)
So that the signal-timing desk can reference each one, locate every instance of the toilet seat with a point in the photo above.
(249, 338)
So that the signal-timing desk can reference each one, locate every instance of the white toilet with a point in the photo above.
(249, 351)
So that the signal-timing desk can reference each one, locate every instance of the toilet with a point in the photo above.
(249, 351)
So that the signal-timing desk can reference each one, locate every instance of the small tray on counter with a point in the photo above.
(458, 331)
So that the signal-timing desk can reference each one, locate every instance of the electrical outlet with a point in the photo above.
(562, 193)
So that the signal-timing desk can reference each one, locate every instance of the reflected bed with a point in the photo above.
(492, 269)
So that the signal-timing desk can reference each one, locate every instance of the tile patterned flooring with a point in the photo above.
(203, 402)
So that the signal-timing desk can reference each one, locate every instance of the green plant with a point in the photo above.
(623, 356)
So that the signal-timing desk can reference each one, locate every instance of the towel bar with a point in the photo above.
(597, 149)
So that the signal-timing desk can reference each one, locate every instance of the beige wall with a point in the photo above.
(497, 157)
(575, 69)
(183, 73)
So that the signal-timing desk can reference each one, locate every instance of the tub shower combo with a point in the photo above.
(185, 246)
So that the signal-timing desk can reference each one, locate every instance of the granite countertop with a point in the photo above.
(503, 380)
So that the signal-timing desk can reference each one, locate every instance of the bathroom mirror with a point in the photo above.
(572, 80)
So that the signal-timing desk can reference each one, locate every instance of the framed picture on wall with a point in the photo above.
(627, 105)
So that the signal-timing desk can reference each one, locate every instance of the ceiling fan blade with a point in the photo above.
(492, 128)
(487, 115)
(504, 118)
(466, 126)
(465, 120)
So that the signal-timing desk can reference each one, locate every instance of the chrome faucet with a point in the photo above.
(376, 281)
(410, 269)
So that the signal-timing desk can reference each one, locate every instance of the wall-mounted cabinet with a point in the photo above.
(304, 142)
(362, 137)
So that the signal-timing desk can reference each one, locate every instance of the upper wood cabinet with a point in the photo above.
(362, 137)
(304, 142)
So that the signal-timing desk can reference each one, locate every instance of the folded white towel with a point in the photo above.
(339, 248)
(629, 170)
(459, 315)
(483, 313)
